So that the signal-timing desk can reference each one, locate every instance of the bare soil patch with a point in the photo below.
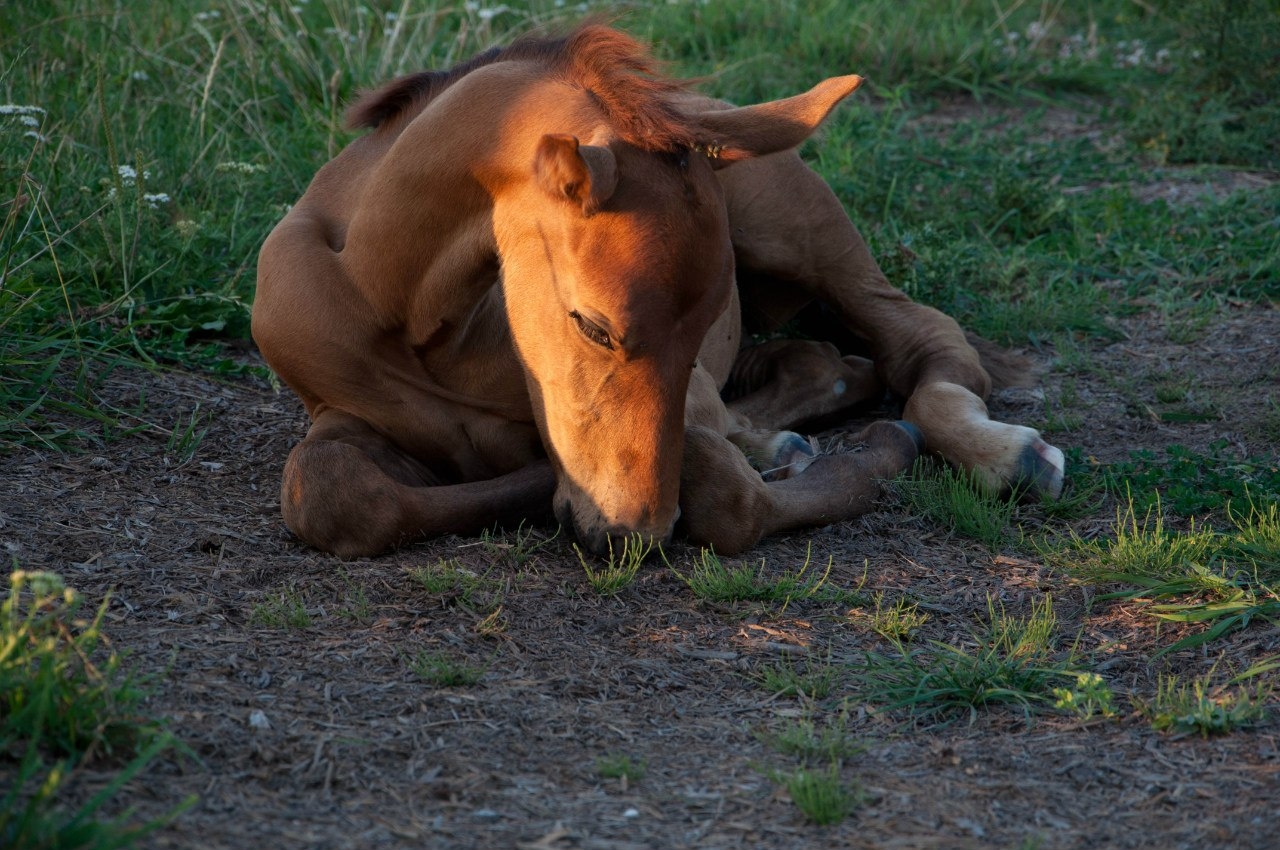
(352, 750)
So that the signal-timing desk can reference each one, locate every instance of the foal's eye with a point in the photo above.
(591, 331)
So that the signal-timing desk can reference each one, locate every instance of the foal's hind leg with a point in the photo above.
(787, 225)
(726, 505)
(350, 491)
(785, 383)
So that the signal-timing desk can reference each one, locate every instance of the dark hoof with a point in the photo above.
(1040, 471)
(917, 436)
(792, 455)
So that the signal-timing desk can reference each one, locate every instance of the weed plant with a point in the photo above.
(285, 609)
(63, 692)
(457, 585)
(516, 548)
(1013, 662)
(1222, 579)
(1088, 697)
(820, 794)
(1190, 483)
(57, 684)
(622, 767)
(806, 740)
(1197, 706)
(814, 681)
(442, 671)
(898, 622)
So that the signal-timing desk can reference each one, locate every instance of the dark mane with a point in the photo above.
(613, 67)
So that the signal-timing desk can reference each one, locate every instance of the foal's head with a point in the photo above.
(616, 260)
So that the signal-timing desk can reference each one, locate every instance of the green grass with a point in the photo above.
(820, 794)
(1190, 483)
(621, 767)
(57, 684)
(898, 621)
(1222, 580)
(67, 701)
(954, 499)
(713, 580)
(443, 671)
(284, 609)
(1196, 705)
(620, 569)
(515, 548)
(812, 742)
(1015, 660)
(815, 680)
(454, 584)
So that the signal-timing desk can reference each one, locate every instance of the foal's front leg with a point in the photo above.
(726, 505)
(787, 225)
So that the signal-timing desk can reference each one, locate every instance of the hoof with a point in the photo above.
(1040, 471)
(916, 435)
(791, 454)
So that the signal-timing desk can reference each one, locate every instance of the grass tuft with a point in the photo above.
(1011, 662)
(955, 499)
(815, 681)
(442, 671)
(285, 609)
(1197, 706)
(621, 767)
(712, 580)
(820, 794)
(620, 570)
(1222, 579)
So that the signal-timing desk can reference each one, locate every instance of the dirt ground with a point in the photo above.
(322, 737)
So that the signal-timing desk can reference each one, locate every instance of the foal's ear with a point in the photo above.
(583, 174)
(779, 125)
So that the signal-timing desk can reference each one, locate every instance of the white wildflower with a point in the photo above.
(32, 134)
(129, 175)
(391, 17)
(211, 15)
(154, 200)
(28, 120)
(471, 6)
(186, 227)
(15, 109)
(140, 76)
(492, 12)
(239, 168)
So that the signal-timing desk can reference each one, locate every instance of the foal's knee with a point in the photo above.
(336, 499)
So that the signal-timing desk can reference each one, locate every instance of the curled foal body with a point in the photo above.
(518, 293)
